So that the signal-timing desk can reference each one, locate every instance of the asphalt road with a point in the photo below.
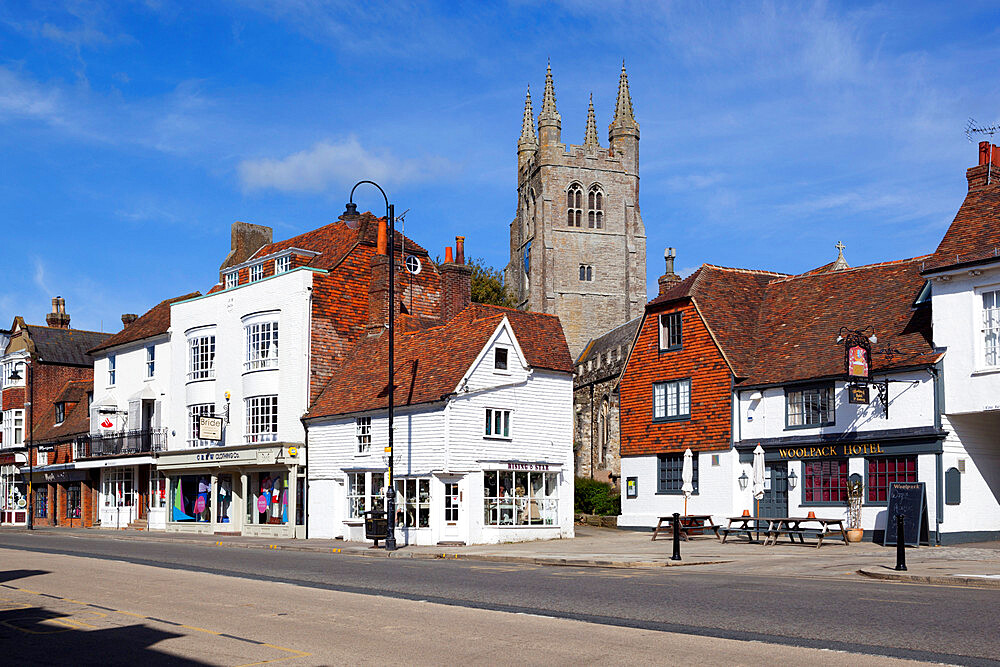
(931, 623)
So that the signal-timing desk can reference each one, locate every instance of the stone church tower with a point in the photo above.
(578, 245)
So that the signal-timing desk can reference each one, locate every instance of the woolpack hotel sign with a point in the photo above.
(829, 451)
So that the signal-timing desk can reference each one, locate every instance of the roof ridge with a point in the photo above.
(875, 265)
(45, 326)
(767, 272)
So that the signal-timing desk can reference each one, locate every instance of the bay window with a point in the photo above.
(262, 345)
(262, 419)
(201, 357)
(195, 413)
(13, 428)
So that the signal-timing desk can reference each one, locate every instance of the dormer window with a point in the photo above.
(282, 264)
(232, 279)
(60, 413)
(256, 272)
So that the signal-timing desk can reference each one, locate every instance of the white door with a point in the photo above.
(452, 519)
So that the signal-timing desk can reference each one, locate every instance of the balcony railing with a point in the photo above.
(138, 441)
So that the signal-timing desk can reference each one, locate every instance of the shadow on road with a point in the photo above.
(11, 575)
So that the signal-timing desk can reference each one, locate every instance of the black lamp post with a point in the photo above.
(350, 214)
(31, 418)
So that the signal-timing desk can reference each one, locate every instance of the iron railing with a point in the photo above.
(137, 441)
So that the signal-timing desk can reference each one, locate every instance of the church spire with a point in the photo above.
(590, 137)
(549, 120)
(624, 120)
(528, 138)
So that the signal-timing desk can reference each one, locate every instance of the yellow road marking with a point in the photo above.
(53, 631)
(192, 627)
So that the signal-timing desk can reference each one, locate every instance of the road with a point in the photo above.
(271, 605)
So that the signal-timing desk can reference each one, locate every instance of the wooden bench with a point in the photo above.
(690, 525)
(748, 526)
(792, 526)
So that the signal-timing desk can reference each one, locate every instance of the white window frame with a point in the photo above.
(60, 412)
(262, 418)
(409, 497)
(150, 362)
(195, 412)
(365, 493)
(665, 320)
(522, 503)
(989, 317)
(8, 370)
(282, 264)
(112, 370)
(498, 419)
(118, 488)
(232, 279)
(256, 272)
(13, 428)
(261, 344)
(201, 356)
(505, 369)
(672, 400)
(363, 434)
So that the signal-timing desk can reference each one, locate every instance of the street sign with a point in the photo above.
(210, 428)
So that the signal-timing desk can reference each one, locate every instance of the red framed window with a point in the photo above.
(883, 471)
(825, 481)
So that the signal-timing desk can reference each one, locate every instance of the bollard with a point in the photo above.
(900, 544)
(677, 537)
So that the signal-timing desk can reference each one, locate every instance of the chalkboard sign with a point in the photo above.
(910, 499)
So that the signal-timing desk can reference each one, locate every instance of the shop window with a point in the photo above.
(267, 503)
(813, 406)
(365, 493)
(670, 472)
(516, 498)
(157, 490)
(300, 499)
(224, 497)
(825, 481)
(885, 470)
(190, 498)
(201, 357)
(262, 346)
(42, 502)
(262, 419)
(670, 331)
(363, 434)
(117, 488)
(497, 423)
(413, 502)
(74, 508)
(672, 400)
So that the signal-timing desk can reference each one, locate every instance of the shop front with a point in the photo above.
(811, 474)
(244, 490)
(13, 490)
(524, 501)
(64, 497)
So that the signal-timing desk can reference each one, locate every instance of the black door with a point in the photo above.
(775, 500)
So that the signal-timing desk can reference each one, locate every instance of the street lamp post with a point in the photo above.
(351, 213)
(30, 380)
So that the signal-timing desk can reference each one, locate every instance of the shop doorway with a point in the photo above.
(775, 500)
(451, 521)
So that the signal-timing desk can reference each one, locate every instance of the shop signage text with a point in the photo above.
(210, 428)
(528, 466)
(830, 451)
(217, 456)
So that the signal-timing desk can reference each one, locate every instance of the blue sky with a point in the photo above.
(134, 133)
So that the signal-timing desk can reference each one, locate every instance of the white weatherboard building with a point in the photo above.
(483, 442)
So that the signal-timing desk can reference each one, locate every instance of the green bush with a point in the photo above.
(593, 497)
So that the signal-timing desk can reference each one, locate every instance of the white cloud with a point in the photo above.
(19, 97)
(329, 164)
(40, 280)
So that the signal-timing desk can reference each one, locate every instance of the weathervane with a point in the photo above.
(970, 129)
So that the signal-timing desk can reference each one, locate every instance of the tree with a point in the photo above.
(487, 285)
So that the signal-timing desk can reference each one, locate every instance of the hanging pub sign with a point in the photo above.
(857, 394)
(210, 428)
(858, 357)
(857, 352)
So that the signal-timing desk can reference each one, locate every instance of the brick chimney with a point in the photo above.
(669, 278)
(982, 175)
(58, 317)
(128, 318)
(245, 240)
(378, 286)
(456, 281)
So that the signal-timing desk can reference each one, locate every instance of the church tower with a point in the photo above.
(577, 243)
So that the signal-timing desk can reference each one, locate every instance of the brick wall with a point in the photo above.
(48, 381)
(699, 359)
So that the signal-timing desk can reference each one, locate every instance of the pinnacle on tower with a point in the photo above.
(549, 100)
(624, 118)
(590, 138)
(528, 139)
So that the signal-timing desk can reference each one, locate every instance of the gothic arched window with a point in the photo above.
(595, 207)
(604, 429)
(574, 205)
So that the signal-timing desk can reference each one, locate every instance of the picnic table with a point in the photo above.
(748, 525)
(690, 525)
(792, 526)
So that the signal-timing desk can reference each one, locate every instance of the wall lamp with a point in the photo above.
(793, 479)
(744, 480)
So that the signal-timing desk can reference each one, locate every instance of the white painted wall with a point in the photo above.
(974, 439)
(446, 440)
(287, 294)
(131, 383)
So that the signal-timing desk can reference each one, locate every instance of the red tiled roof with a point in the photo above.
(75, 422)
(774, 328)
(430, 362)
(974, 234)
(155, 322)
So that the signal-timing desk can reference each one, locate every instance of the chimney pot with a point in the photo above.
(382, 243)
(58, 318)
(448, 258)
(128, 318)
(669, 277)
(460, 249)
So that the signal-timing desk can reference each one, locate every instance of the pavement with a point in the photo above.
(961, 565)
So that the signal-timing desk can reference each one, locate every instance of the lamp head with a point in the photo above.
(350, 215)
(15, 376)
(840, 339)
(873, 339)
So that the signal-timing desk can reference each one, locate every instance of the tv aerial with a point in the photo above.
(988, 130)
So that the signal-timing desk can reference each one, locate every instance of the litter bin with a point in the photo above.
(376, 526)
